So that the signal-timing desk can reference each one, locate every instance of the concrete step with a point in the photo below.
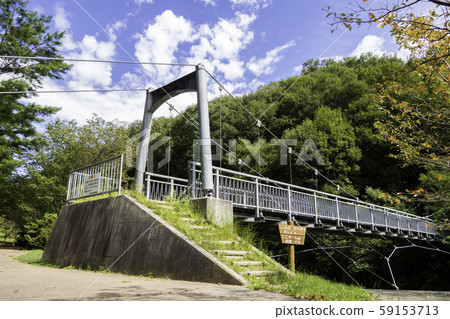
(245, 263)
(232, 252)
(232, 258)
(260, 273)
(197, 227)
(227, 242)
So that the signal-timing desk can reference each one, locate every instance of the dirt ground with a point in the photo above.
(19, 281)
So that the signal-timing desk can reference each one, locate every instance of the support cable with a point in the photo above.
(134, 242)
(323, 248)
(72, 91)
(276, 137)
(350, 276)
(90, 60)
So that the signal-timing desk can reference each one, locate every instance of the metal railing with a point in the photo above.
(261, 194)
(96, 179)
(161, 186)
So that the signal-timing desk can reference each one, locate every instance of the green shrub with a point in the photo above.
(36, 233)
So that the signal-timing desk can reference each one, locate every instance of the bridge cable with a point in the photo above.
(71, 91)
(323, 248)
(331, 257)
(364, 267)
(290, 165)
(19, 57)
(371, 248)
(320, 247)
(124, 50)
(365, 244)
(278, 139)
(134, 242)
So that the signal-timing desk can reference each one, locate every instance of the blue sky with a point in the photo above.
(244, 43)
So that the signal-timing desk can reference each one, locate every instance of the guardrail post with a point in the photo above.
(409, 226)
(148, 187)
(69, 186)
(372, 218)
(356, 215)
(386, 219)
(338, 217)
(290, 202)
(171, 187)
(257, 196)
(193, 180)
(316, 209)
(216, 186)
(120, 173)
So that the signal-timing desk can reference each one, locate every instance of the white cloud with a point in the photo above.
(298, 69)
(211, 2)
(84, 75)
(167, 38)
(233, 70)
(126, 106)
(116, 27)
(139, 2)
(219, 46)
(370, 43)
(60, 18)
(161, 40)
(266, 65)
(229, 37)
(251, 3)
(403, 54)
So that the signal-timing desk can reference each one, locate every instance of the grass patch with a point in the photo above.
(181, 215)
(311, 287)
(33, 257)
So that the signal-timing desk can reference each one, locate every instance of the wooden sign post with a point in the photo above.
(292, 235)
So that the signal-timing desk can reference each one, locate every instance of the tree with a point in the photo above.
(335, 140)
(417, 109)
(69, 146)
(23, 33)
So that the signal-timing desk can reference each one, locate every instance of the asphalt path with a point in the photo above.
(24, 282)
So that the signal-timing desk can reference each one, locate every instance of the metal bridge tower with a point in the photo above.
(193, 82)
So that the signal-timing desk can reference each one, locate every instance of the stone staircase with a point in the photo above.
(234, 252)
(248, 263)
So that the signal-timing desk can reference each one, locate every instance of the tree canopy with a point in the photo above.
(23, 33)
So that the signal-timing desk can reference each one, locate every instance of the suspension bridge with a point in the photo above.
(256, 198)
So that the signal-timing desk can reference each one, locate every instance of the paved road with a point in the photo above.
(411, 295)
(20, 281)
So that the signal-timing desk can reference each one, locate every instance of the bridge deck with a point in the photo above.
(260, 199)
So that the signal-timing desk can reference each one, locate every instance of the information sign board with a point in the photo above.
(91, 185)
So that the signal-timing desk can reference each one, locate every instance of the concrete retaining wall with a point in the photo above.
(99, 234)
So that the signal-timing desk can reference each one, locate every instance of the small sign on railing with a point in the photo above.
(92, 185)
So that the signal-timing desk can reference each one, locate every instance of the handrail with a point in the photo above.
(292, 186)
(167, 177)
